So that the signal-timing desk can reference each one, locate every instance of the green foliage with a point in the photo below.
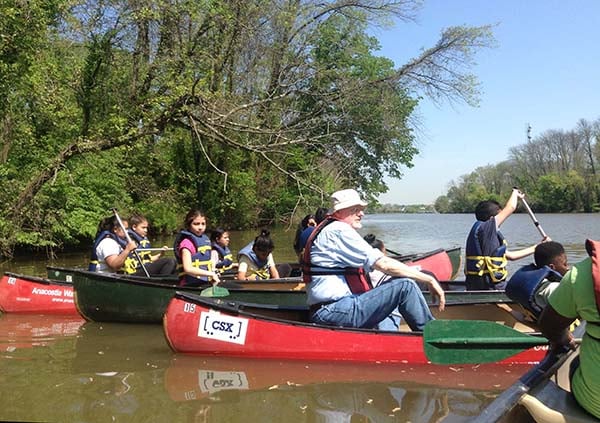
(560, 193)
(252, 111)
(553, 171)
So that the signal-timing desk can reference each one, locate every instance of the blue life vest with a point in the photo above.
(93, 266)
(522, 285)
(200, 258)
(225, 257)
(492, 267)
(262, 267)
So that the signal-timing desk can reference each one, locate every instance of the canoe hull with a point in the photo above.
(103, 297)
(196, 325)
(29, 294)
(444, 264)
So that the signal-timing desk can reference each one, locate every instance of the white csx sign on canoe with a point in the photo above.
(215, 325)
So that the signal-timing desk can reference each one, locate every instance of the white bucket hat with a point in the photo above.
(346, 198)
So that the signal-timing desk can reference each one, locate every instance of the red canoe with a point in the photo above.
(209, 326)
(30, 294)
(444, 264)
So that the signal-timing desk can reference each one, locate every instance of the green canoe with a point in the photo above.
(108, 297)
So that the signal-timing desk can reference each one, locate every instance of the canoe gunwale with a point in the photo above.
(38, 279)
(237, 308)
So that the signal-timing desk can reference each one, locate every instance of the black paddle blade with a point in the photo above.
(474, 341)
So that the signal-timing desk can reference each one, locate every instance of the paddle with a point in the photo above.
(135, 253)
(155, 249)
(214, 291)
(535, 221)
(474, 341)
(396, 253)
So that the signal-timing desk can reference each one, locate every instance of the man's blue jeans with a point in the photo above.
(374, 308)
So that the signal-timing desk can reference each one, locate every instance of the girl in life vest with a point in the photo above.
(256, 259)
(193, 252)
(222, 257)
(155, 264)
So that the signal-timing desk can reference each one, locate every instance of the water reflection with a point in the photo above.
(58, 368)
(22, 331)
(191, 378)
(341, 402)
(333, 392)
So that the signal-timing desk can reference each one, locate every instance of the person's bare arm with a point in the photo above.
(242, 269)
(509, 207)
(393, 267)
(188, 268)
(116, 261)
(519, 254)
(274, 272)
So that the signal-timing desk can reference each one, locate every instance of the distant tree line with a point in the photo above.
(253, 111)
(402, 208)
(557, 170)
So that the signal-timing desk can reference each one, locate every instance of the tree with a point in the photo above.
(256, 107)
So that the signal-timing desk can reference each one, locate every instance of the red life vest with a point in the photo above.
(593, 250)
(356, 278)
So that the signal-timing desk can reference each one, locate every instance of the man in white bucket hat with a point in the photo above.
(336, 259)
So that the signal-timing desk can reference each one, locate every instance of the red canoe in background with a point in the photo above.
(444, 264)
(30, 294)
(210, 326)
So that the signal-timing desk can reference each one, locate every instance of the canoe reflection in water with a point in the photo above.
(341, 402)
(338, 392)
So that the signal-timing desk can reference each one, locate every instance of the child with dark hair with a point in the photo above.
(302, 237)
(531, 285)
(155, 264)
(256, 259)
(307, 222)
(486, 251)
(111, 248)
(193, 251)
(221, 255)
(374, 242)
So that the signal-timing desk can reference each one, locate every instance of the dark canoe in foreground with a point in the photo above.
(106, 297)
(213, 326)
(542, 394)
(30, 294)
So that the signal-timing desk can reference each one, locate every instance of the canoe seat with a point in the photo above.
(553, 404)
(521, 320)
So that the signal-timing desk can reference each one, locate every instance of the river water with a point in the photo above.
(66, 370)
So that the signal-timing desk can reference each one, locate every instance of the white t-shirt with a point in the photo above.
(106, 248)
